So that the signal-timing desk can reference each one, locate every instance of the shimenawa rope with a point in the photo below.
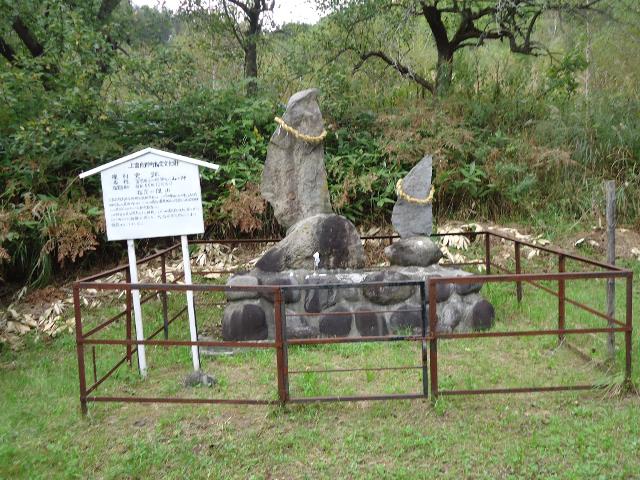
(408, 198)
(300, 135)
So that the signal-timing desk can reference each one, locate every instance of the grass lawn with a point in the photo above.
(552, 435)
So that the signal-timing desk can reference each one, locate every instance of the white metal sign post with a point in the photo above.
(151, 194)
(137, 309)
(193, 330)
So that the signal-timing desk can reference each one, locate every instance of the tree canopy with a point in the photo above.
(453, 25)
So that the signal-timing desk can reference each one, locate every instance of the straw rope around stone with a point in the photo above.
(300, 135)
(408, 198)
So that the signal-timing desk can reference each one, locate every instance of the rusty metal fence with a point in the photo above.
(427, 339)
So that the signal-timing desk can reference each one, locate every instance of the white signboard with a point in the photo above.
(148, 194)
(152, 196)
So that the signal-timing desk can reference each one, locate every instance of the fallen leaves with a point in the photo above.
(57, 316)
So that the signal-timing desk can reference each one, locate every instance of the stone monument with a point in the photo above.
(322, 248)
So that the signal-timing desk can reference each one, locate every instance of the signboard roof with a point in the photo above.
(146, 151)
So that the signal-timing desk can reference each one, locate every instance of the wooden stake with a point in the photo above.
(137, 309)
(610, 186)
(193, 329)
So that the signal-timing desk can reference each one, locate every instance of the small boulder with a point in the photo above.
(451, 316)
(413, 251)
(467, 288)
(319, 299)
(242, 281)
(407, 318)
(289, 295)
(336, 322)
(298, 327)
(369, 323)
(199, 378)
(385, 295)
(335, 239)
(246, 321)
(482, 315)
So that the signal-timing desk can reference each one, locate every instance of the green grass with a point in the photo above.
(553, 435)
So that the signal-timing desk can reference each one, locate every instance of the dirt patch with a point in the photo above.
(594, 242)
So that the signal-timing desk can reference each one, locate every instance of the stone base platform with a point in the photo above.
(354, 311)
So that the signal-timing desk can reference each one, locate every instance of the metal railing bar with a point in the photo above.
(363, 398)
(486, 391)
(182, 400)
(529, 333)
(182, 343)
(339, 370)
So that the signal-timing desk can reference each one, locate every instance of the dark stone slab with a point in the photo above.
(290, 295)
(406, 319)
(370, 324)
(298, 327)
(443, 291)
(244, 322)
(482, 315)
(317, 300)
(335, 323)
(386, 295)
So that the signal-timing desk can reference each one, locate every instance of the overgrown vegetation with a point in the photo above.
(512, 137)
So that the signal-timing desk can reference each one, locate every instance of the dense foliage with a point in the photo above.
(513, 136)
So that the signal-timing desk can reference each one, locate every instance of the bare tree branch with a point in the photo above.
(404, 70)
(35, 48)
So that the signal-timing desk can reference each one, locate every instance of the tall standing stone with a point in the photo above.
(409, 218)
(294, 180)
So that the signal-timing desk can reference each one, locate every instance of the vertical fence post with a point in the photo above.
(285, 349)
(80, 349)
(487, 253)
(163, 297)
(433, 343)
(611, 259)
(518, 272)
(561, 298)
(628, 332)
(423, 311)
(128, 319)
(280, 360)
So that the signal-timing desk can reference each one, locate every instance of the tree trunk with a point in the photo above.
(251, 66)
(251, 51)
(444, 72)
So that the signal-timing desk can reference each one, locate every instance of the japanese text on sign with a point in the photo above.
(152, 197)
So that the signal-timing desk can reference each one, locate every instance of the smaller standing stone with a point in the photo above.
(411, 219)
